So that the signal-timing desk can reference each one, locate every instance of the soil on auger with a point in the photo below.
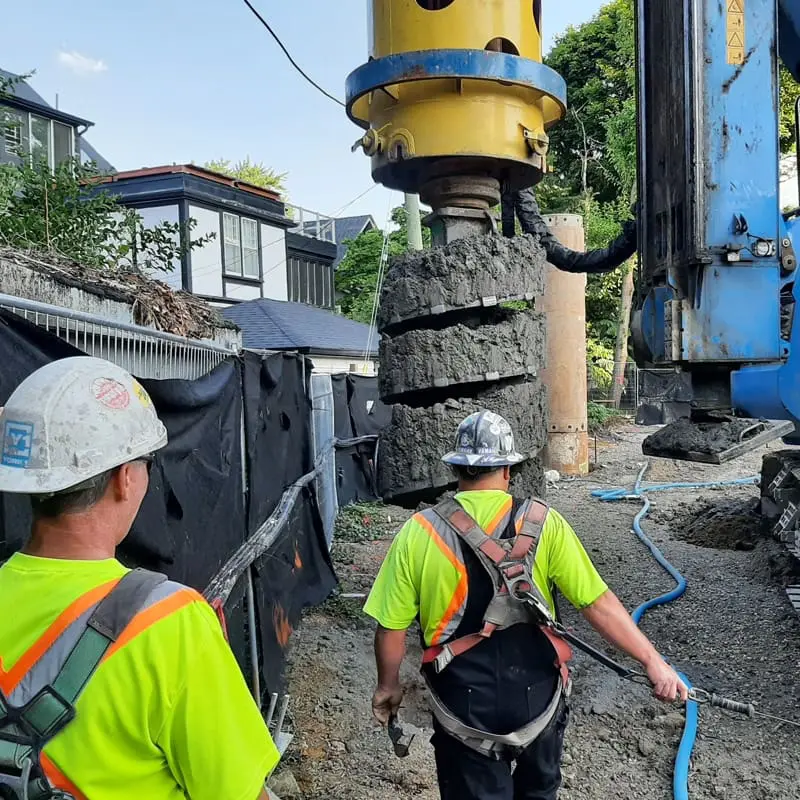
(448, 315)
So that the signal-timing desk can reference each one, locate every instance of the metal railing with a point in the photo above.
(637, 384)
(312, 223)
(145, 352)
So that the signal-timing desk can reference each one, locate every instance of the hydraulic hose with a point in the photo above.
(532, 222)
(680, 778)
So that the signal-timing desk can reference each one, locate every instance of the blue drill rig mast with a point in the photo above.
(463, 123)
(716, 293)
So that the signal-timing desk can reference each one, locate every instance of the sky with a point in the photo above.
(179, 81)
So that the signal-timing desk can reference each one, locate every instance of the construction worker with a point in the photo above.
(498, 676)
(160, 707)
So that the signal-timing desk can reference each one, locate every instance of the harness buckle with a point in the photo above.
(443, 659)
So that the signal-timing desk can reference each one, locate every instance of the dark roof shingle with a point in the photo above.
(278, 325)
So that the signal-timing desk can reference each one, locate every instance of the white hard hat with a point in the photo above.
(72, 420)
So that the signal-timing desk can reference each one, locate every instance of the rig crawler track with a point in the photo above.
(449, 346)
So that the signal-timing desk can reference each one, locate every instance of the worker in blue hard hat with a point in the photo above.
(114, 683)
(498, 674)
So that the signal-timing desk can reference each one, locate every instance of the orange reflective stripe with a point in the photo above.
(492, 526)
(144, 619)
(58, 779)
(460, 593)
(9, 680)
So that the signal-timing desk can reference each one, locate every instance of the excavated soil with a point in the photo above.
(474, 272)
(685, 436)
(411, 449)
(733, 632)
(511, 346)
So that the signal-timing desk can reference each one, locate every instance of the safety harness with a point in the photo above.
(26, 729)
(517, 599)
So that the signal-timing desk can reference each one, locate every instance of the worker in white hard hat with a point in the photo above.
(114, 683)
(480, 573)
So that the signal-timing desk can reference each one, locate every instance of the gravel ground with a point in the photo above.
(733, 632)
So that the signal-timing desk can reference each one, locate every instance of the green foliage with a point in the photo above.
(601, 363)
(357, 274)
(64, 211)
(250, 172)
(601, 417)
(790, 92)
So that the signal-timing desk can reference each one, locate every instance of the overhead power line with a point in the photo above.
(289, 56)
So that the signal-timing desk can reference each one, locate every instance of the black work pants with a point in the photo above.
(465, 774)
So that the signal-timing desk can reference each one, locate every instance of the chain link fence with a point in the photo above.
(637, 385)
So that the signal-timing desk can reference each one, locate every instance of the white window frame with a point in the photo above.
(254, 249)
(237, 242)
(26, 121)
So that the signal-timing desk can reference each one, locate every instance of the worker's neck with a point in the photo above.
(497, 484)
(72, 537)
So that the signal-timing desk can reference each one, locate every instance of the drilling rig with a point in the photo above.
(456, 103)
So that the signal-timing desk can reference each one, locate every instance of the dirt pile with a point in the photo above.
(154, 304)
(727, 524)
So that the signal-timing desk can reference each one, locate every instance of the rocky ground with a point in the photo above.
(733, 632)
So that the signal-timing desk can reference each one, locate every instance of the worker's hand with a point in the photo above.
(667, 686)
(385, 702)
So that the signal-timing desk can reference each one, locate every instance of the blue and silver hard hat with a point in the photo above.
(484, 439)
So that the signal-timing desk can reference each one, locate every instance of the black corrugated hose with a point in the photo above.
(524, 204)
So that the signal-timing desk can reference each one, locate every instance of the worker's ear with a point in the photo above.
(122, 482)
(507, 474)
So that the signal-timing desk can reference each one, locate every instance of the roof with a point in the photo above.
(90, 154)
(278, 325)
(23, 96)
(199, 172)
(349, 227)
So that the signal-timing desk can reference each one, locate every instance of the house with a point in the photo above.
(334, 343)
(31, 125)
(255, 247)
(255, 251)
(347, 229)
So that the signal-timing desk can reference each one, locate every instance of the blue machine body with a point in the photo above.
(716, 293)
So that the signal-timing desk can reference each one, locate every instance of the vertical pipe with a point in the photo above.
(251, 635)
(414, 222)
(564, 304)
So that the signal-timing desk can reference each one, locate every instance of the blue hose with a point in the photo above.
(680, 780)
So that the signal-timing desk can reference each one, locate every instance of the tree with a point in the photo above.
(357, 274)
(251, 172)
(65, 210)
(790, 92)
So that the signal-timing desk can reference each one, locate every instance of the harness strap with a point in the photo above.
(24, 731)
(493, 745)
(513, 577)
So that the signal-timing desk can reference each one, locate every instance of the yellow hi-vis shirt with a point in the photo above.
(421, 576)
(167, 715)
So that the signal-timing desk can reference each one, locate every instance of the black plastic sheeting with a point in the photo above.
(357, 411)
(196, 513)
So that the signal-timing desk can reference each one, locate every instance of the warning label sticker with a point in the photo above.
(735, 32)
(111, 393)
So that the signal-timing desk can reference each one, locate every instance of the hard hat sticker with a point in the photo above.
(111, 393)
(17, 444)
(140, 392)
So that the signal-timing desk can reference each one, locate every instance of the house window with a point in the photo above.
(241, 253)
(37, 136)
(310, 282)
(250, 248)
(232, 243)
(12, 132)
(62, 142)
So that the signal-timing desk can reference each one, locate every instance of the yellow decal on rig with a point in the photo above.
(735, 31)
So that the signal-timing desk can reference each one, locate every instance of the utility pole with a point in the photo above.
(414, 222)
